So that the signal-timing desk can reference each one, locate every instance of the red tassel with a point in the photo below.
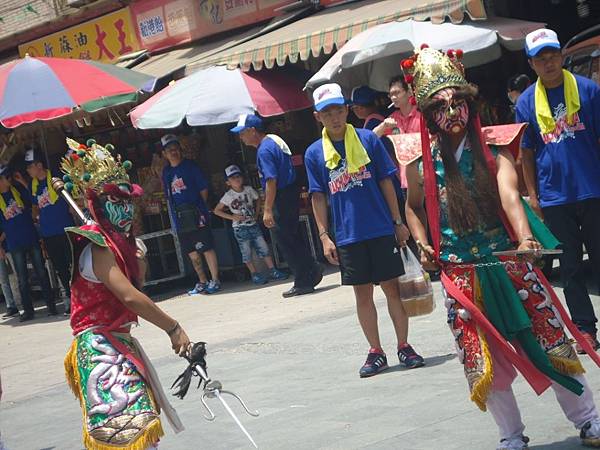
(450, 53)
(412, 100)
(408, 78)
(424, 46)
(74, 156)
(459, 53)
(407, 63)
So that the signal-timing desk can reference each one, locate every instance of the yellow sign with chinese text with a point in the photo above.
(103, 39)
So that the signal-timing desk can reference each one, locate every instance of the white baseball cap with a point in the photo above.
(328, 94)
(29, 156)
(168, 139)
(540, 39)
(232, 170)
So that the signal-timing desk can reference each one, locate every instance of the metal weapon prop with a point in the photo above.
(59, 186)
(532, 252)
(212, 388)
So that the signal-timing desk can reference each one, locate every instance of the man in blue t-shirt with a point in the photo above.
(281, 208)
(352, 170)
(561, 166)
(186, 190)
(21, 238)
(54, 216)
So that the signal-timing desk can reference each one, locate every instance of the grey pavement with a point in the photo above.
(297, 362)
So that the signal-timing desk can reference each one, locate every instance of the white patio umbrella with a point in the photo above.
(373, 56)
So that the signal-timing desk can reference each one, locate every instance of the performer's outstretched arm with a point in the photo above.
(508, 189)
(108, 272)
(415, 214)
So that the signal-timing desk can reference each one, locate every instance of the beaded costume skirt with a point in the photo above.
(118, 406)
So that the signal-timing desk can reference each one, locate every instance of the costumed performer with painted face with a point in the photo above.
(120, 395)
(501, 310)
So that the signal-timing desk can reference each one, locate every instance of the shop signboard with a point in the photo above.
(104, 39)
(162, 24)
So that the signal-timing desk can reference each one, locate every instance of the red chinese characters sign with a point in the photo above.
(103, 39)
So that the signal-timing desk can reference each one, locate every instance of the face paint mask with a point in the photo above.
(453, 115)
(119, 213)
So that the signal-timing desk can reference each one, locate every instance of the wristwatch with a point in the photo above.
(398, 222)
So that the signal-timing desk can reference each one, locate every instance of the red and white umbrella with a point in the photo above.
(217, 95)
(34, 89)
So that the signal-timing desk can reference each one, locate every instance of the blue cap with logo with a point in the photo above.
(248, 121)
(538, 40)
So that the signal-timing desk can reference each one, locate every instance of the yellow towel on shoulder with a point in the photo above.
(16, 196)
(281, 143)
(543, 114)
(51, 192)
(356, 154)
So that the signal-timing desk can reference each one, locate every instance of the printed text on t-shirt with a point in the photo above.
(177, 185)
(341, 181)
(563, 130)
(12, 210)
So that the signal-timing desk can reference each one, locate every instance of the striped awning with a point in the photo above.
(333, 27)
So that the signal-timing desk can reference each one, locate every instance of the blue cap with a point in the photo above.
(4, 171)
(248, 121)
(363, 96)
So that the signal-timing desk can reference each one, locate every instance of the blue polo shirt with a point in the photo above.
(568, 158)
(183, 184)
(54, 218)
(16, 222)
(273, 163)
(359, 210)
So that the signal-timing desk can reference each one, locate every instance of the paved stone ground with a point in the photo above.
(294, 360)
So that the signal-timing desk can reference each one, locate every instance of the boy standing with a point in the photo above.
(241, 201)
(352, 169)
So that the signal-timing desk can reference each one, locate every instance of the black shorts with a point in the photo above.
(371, 261)
(200, 240)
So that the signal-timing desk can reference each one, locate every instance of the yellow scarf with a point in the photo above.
(51, 192)
(17, 198)
(543, 114)
(356, 155)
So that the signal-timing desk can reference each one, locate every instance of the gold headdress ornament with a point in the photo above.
(92, 166)
(429, 71)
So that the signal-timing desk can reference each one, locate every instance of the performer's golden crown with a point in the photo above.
(429, 71)
(92, 166)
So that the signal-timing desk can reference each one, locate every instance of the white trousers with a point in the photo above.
(579, 409)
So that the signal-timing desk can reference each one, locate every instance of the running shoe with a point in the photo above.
(212, 287)
(198, 289)
(590, 433)
(275, 274)
(258, 278)
(410, 358)
(518, 443)
(376, 362)
(10, 312)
